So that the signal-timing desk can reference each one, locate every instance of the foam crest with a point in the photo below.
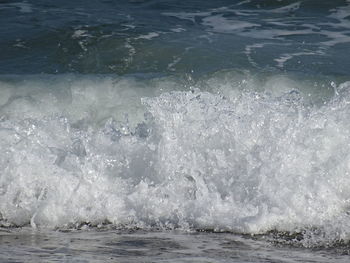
(268, 163)
(242, 156)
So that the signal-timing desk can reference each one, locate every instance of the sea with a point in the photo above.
(175, 131)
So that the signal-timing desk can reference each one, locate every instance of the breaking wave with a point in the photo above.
(228, 152)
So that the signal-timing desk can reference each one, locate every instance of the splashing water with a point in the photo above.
(230, 152)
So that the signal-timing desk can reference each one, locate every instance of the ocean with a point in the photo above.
(174, 131)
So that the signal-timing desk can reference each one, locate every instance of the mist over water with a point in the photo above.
(157, 115)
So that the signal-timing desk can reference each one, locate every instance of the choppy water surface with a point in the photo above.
(229, 117)
(174, 36)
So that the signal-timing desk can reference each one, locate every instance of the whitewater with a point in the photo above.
(238, 157)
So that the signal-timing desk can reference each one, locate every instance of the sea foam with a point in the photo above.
(229, 152)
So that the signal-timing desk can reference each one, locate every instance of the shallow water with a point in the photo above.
(149, 246)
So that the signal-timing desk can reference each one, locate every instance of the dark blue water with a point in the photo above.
(125, 37)
(175, 131)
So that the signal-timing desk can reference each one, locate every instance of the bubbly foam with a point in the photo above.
(230, 152)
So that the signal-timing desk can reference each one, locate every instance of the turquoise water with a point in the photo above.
(175, 120)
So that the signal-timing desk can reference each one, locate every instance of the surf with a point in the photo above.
(231, 151)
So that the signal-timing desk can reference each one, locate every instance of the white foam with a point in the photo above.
(20, 44)
(335, 38)
(148, 36)
(288, 8)
(174, 63)
(221, 24)
(178, 29)
(285, 57)
(250, 154)
(80, 33)
(249, 49)
(274, 33)
(83, 37)
(187, 16)
(243, 2)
